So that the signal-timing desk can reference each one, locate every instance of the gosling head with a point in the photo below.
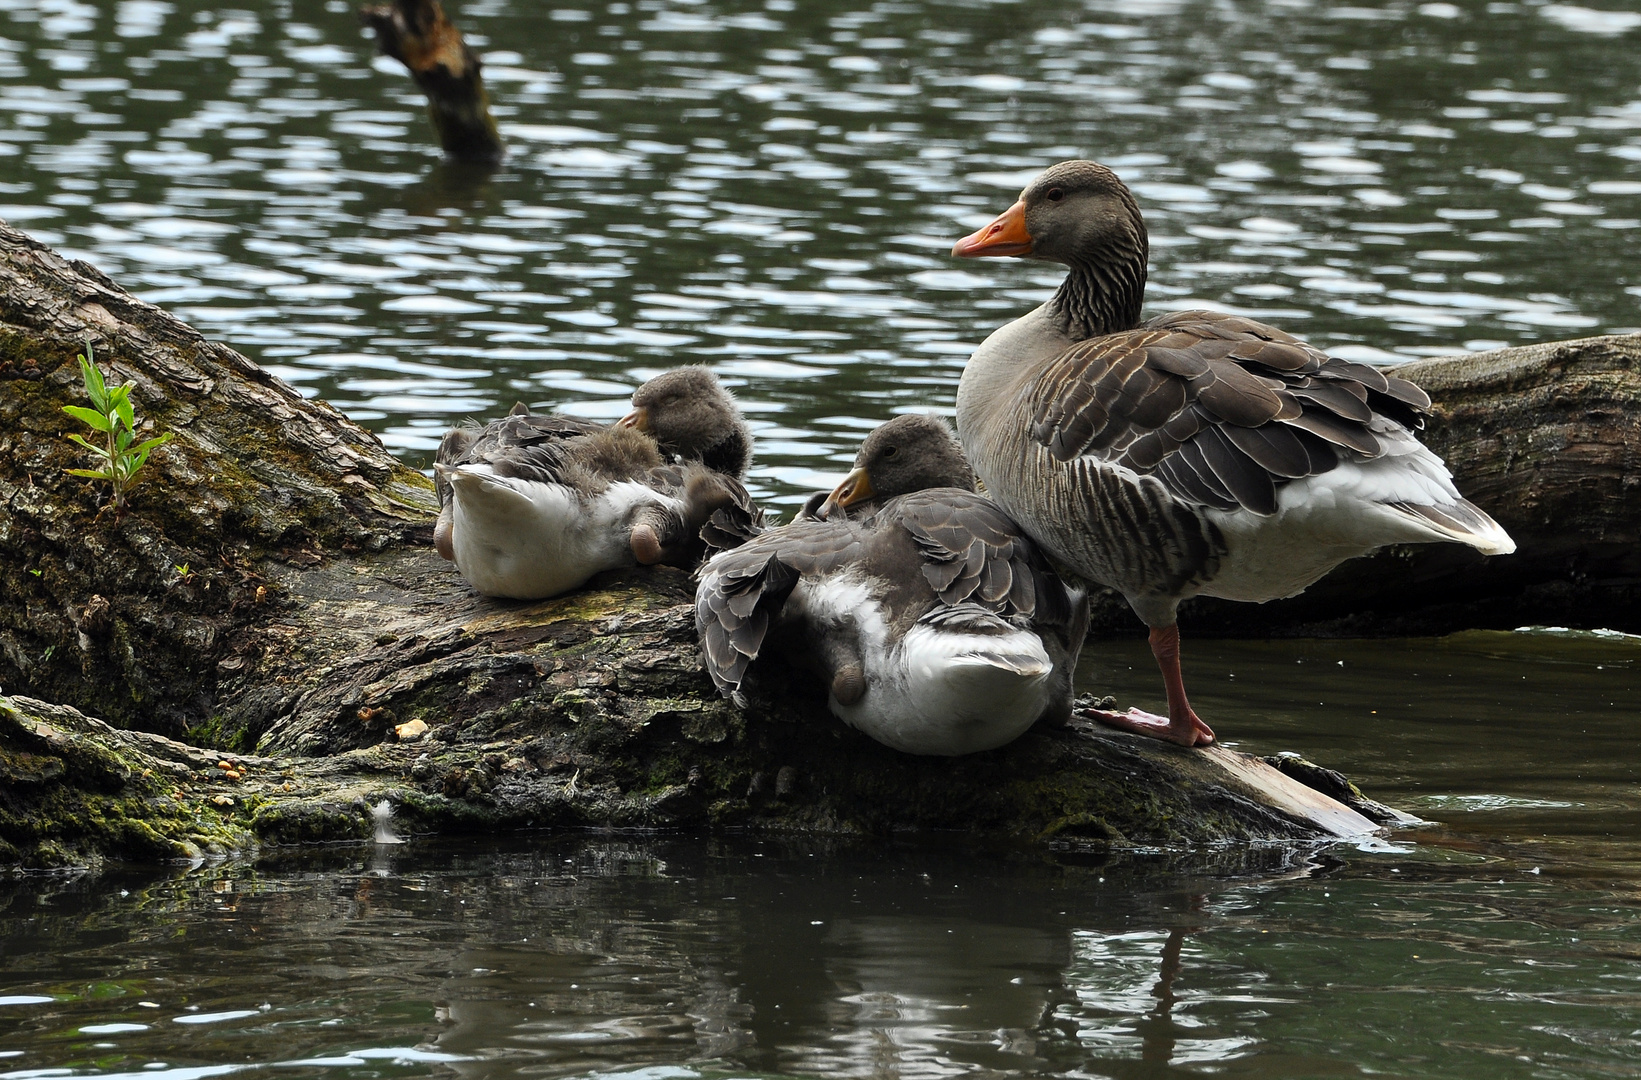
(909, 453)
(693, 418)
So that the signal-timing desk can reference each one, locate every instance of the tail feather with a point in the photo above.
(1464, 522)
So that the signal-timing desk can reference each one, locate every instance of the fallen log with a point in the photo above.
(270, 599)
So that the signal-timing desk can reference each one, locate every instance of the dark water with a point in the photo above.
(1500, 940)
(772, 189)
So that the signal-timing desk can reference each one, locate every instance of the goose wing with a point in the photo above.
(1220, 408)
(520, 444)
(974, 553)
(742, 591)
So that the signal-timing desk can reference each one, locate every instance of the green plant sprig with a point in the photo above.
(113, 415)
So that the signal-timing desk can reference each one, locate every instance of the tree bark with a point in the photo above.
(271, 599)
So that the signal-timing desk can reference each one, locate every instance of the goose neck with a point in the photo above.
(1100, 296)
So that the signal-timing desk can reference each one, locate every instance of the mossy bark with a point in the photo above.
(271, 596)
(128, 614)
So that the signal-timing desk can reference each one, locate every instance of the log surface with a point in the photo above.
(271, 599)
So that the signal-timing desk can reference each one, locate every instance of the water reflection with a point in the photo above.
(584, 955)
(1518, 743)
(771, 188)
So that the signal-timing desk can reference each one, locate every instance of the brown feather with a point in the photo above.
(1339, 432)
(1243, 477)
(1336, 398)
(1147, 398)
(1276, 448)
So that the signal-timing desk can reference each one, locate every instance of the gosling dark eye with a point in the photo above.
(889, 452)
(1055, 194)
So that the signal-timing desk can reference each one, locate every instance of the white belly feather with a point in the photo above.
(529, 540)
(959, 681)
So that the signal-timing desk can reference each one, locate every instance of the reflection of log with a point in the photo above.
(272, 587)
(418, 35)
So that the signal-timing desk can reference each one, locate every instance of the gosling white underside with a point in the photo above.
(529, 540)
(962, 680)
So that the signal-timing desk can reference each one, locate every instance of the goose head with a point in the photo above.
(1080, 214)
(691, 416)
(909, 453)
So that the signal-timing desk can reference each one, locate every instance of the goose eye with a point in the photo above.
(1055, 194)
(889, 452)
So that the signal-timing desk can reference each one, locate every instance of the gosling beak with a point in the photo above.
(639, 418)
(1005, 236)
(854, 488)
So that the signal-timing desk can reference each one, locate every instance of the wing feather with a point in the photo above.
(740, 594)
(1221, 408)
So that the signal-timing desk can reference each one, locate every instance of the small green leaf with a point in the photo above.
(93, 447)
(116, 417)
(94, 387)
(158, 440)
(89, 416)
(36, 573)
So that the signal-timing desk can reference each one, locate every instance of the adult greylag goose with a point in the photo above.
(1198, 453)
(532, 506)
(934, 622)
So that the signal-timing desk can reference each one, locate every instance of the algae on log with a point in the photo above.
(314, 619)
(75, 791)
(131, 616)
(589, 710)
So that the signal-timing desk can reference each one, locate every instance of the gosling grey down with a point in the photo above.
(933, 621)
(1197, 453)
(532, 506)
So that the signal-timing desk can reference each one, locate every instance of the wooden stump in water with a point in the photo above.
(418, 35)
(271, 602)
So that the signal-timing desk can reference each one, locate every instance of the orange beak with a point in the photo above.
(639, 418)
(854, 488)
(1005, 236)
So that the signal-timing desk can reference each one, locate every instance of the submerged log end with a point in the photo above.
(419, 35)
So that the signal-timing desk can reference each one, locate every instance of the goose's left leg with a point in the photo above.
(1181, 725)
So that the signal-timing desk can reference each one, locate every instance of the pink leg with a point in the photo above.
(1181, 725)
(645, 544)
